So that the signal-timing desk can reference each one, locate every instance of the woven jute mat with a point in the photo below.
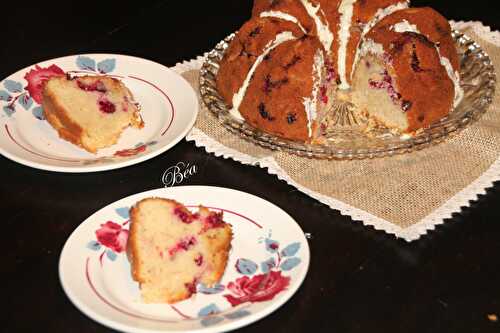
(404, 194)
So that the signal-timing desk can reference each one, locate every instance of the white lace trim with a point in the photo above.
(414, 232)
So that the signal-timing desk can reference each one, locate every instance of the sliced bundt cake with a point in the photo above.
(398, 65)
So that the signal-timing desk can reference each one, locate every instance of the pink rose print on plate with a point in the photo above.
(130, 152)
(259, 288)
(16, 94)
(139, 148)
(112, 236)
(37, 77)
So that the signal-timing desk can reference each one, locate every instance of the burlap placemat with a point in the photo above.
(405, 195)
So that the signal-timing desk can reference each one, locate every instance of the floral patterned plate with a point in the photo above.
(267, 264)
(168, 106)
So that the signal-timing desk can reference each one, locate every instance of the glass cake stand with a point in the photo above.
(348, 140)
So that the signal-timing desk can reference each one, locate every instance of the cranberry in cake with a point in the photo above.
(90, 111)
(171, 250)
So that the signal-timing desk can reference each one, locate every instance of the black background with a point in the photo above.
(360, 280)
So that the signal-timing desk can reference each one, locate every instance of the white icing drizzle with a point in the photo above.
(382, 13)
(283, 16)
(346, 9)
(311, 103)
(405, 26)
(325, 35)
(379, 16)
(238, 97)
(454, 76)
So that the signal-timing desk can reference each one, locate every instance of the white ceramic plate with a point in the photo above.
(168, 106)
(268, 244)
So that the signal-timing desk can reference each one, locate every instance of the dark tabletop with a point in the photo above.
(360, 280)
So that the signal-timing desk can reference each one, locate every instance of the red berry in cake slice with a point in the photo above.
(323, 94)
(191, 286)
(37, 77)
(212, 221)
(183, 214)
(183, 245)
(105, 105)
(386, 83)
(199, 260)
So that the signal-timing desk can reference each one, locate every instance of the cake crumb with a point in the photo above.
(493, 317)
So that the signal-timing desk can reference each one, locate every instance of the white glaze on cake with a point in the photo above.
(404, 26)
(283, 16)
(346, 9)
(311, 103)
(325, 35)
(454, 76)
(382, 13)
(238, 97)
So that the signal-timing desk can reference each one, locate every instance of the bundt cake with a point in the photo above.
(171, 250)
(294, 59)
(89, 111)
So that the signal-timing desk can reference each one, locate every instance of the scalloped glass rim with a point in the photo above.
(478, 79)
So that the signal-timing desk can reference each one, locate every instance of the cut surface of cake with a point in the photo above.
(397, 65)
(90, 111)
(171, 250)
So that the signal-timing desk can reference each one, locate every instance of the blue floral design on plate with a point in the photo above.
(246, 266)
(13, 86)
(106, 66)
(85, 63)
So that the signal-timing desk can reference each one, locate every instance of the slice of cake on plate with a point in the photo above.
(171, 250)
(90, 111)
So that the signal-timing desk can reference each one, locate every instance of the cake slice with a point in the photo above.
(89, 111)
(171, 250)
(407, 77)
(287, 92)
